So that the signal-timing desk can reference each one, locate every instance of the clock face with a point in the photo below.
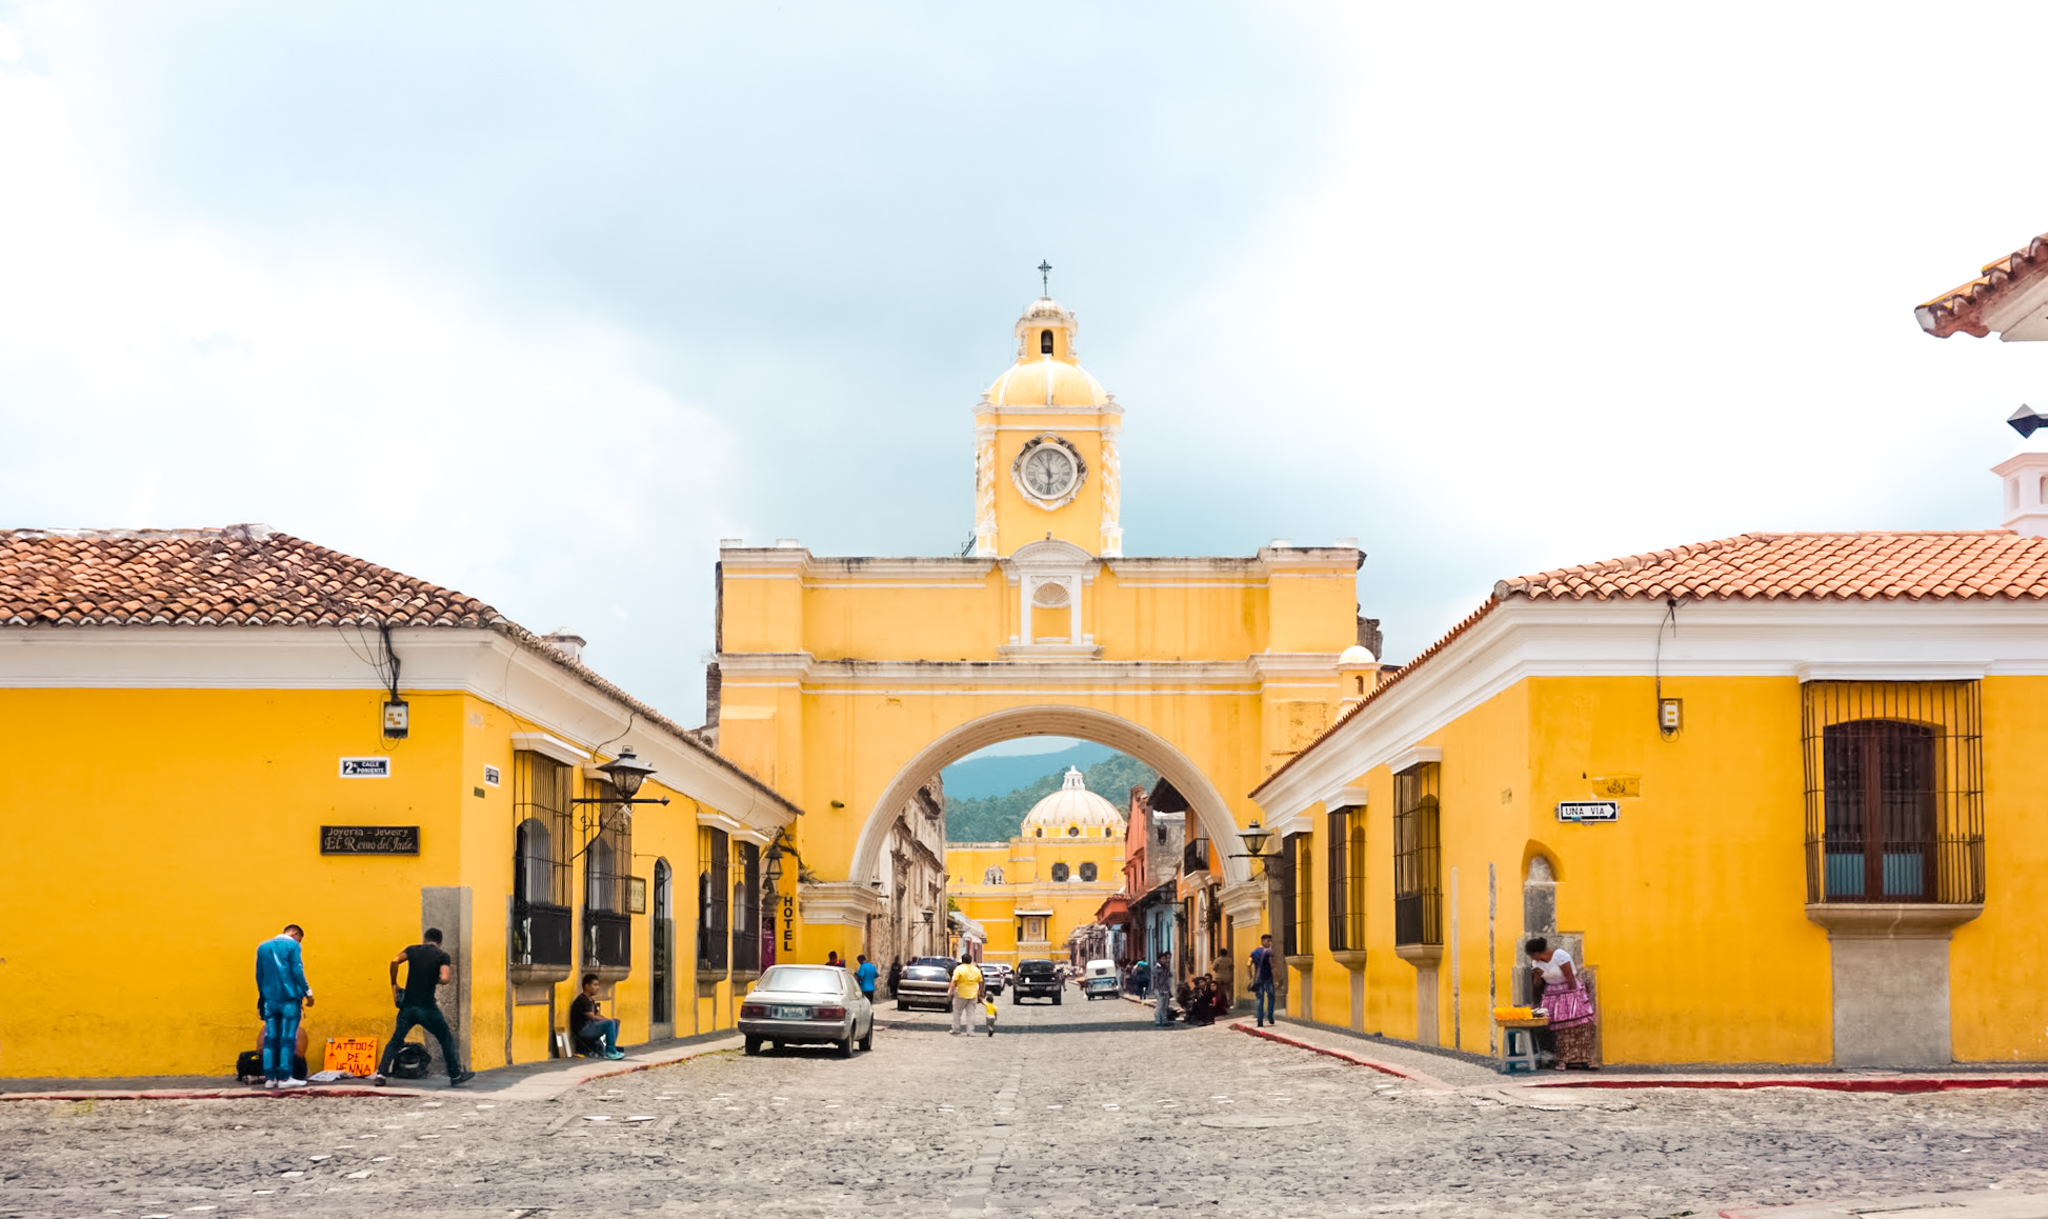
(1049, 471)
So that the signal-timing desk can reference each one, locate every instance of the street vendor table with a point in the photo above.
(1518, 1044)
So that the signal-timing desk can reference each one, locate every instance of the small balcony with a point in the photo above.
(607, 944)
(1194, 857)
(541, 944)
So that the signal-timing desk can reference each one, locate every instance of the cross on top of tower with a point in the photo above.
(1044, 278)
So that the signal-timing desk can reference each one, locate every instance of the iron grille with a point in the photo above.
(746, 933)
(1418, 857)
(1346, 863)
(1194, 857)
(541, 830)
(607, 939)
(1894, 791)
(712, 941)
(1300, 846)
(542, 935)
(1280, 896)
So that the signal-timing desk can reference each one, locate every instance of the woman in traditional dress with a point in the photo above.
(1569, 1005)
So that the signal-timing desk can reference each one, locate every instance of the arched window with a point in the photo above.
(1088, 871)
(533, 878)
(1045, 342)
(597, 876)
(1039, 832)
(1059, 872)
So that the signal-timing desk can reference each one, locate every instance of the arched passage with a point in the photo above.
(1083, 722)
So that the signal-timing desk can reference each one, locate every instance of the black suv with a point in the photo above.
(1039, 978)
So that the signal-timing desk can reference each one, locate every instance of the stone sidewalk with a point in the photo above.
(1974, 1204)
(533, 1081)
(1450, 1070)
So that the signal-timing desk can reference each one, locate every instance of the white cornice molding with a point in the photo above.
(745, 832)
(1414, 756)
(1244, 900)
(1522, 638)
(837, 903)
(741, 669)
(1272, 666)
(1892, 670)
(1353, 796)
(548, 745)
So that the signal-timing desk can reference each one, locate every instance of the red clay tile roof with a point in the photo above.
(1970, 566)
(250, 575)
(244, 575)
(1962, 308)
(1979, 565)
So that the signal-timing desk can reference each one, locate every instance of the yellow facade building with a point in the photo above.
(1778, 794)
(845, 683)
(231, 730)
(1032, 893)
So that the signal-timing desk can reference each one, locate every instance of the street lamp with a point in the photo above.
(1255, 839)
(771, 869)
(626, 773)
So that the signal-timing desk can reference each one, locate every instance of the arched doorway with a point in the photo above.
(664, 950)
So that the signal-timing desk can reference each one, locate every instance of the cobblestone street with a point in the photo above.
(1077, 1109)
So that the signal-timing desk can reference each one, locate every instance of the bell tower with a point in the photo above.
(1045, 446)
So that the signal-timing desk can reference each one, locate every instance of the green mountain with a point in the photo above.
(1001, 774)
(998, 818)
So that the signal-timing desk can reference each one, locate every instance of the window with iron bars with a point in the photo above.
(746, 911)
(607, 865)
(541, 934)
(1301, 847)
(1345, 847)
(712, 894)
(1894, 791)
(1418, 856)
(1280, 896)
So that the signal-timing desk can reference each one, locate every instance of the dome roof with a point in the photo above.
(1045, 381)
(1357, 654)
(1047, 372)
(1073, 805)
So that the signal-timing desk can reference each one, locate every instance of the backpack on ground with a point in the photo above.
(410, 1061)
(249, 1066)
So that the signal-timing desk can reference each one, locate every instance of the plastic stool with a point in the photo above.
(1517, 1050)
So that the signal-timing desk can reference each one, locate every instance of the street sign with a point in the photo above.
(1588, 810)
(366, 768)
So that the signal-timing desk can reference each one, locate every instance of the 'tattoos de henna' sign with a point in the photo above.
(369, 840)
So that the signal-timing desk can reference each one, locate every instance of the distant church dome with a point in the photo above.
(1046, 372)
(1073, 812)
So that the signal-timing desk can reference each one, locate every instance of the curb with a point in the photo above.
(235, 1093)
(1384, 1068)
(1942, 1084)
(636, 1068)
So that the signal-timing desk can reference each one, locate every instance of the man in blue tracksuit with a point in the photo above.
(281, 989)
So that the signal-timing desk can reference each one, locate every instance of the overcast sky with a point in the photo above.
(540, 301)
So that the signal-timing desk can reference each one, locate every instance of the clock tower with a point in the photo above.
(1045, 446)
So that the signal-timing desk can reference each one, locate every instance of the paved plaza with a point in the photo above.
(1082, 1109)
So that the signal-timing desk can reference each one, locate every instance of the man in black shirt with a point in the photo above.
(588, 1024)
(427, 966)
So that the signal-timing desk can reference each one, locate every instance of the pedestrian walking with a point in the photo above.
(427, 966)
(866, 975)
(895, 977)
(1162, 992)
(967, 984)
(1263, 980)
(589, 1023)
(281, 992)
(1224, 971)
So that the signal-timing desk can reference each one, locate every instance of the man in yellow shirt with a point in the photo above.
(966, 994)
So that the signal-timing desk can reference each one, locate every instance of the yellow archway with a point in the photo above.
(1050, 719)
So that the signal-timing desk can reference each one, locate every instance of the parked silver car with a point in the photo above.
(927, 982)
(807, 1005)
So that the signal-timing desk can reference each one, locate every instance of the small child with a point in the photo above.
(988, 1012)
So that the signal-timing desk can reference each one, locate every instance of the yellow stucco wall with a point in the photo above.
(1693, 903)
(1028, 885)
(161, 834)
